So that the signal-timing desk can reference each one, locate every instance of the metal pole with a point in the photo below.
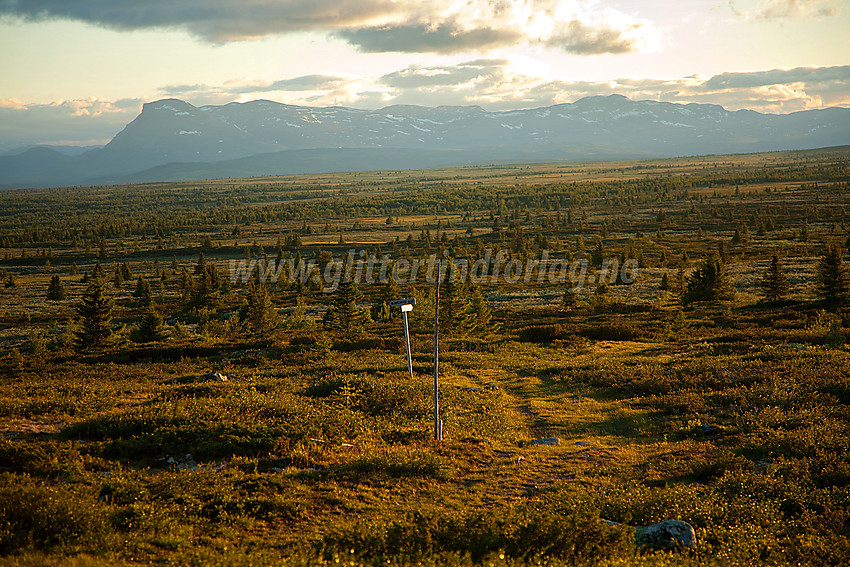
(407, 343)
(438, 430)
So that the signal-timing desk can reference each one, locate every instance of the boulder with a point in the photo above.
(215, 377)
(667, 534)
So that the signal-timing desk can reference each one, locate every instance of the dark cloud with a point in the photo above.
(422, 38)
(582, 39)
(215, 20)
(409, 26)
(839, 75)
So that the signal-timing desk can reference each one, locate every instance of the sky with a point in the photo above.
(75, 72)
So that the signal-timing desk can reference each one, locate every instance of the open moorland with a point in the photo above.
(160, 403)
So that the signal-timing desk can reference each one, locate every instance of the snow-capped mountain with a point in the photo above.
(182, 141)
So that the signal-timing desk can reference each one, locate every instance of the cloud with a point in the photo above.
(422, 38)
(505, 84)
(86, 121)
(578, 37)
(787, 9)
(214, 20)
(419, 77)
(838, 76)
(431, 26)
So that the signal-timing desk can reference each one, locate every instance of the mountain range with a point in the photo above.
(173, 140)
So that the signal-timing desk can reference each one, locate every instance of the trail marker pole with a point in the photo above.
(406, 305)
(438, 423)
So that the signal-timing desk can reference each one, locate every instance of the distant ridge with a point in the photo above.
(174, 140)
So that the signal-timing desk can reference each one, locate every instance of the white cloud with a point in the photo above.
(788, 9)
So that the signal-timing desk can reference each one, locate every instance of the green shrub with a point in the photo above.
(34, 515)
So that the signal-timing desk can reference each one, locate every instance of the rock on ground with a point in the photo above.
(666, 534)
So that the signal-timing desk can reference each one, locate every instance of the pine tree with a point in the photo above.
(95, 309)
(598, 255)
(151, 328)
(187, 285)
(201, 265)
(391, 291)
(774, 284)
(207, 290)
(665, 282)
(709, 282)
(680, 280)
(143, 290)
(833, 282)
(477, 314)
(344, 318)
(452, 304)
(56, 289)
(258, 313)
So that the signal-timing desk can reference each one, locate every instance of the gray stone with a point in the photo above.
(215, 377)
(666, 534)
(545, 441)
(708, 428)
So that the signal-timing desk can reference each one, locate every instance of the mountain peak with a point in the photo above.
(169, 104)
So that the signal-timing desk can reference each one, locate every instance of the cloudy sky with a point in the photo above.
(77, 71)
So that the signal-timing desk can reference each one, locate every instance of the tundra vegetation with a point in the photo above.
(154, 410)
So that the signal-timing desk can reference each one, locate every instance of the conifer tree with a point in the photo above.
(207, 290)
(95, 310)
(258, 313)
(143, 290)
(151, 328)
(774, 283)
(477, 314)
(56, 289)
(187, 285)
(832, 279)
(598, 255)
(344, 318)
(201, 265)
(452, 304)
(709, 282)
(391, 291)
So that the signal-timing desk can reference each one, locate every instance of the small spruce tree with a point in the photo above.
(833, 282)
(774, 283)
(143, 290)
(56, 289)
(709, 283)
(258, 314)
(344, 318)
(151, 328)
(95, 310)
(477, 314)
(452, 304)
